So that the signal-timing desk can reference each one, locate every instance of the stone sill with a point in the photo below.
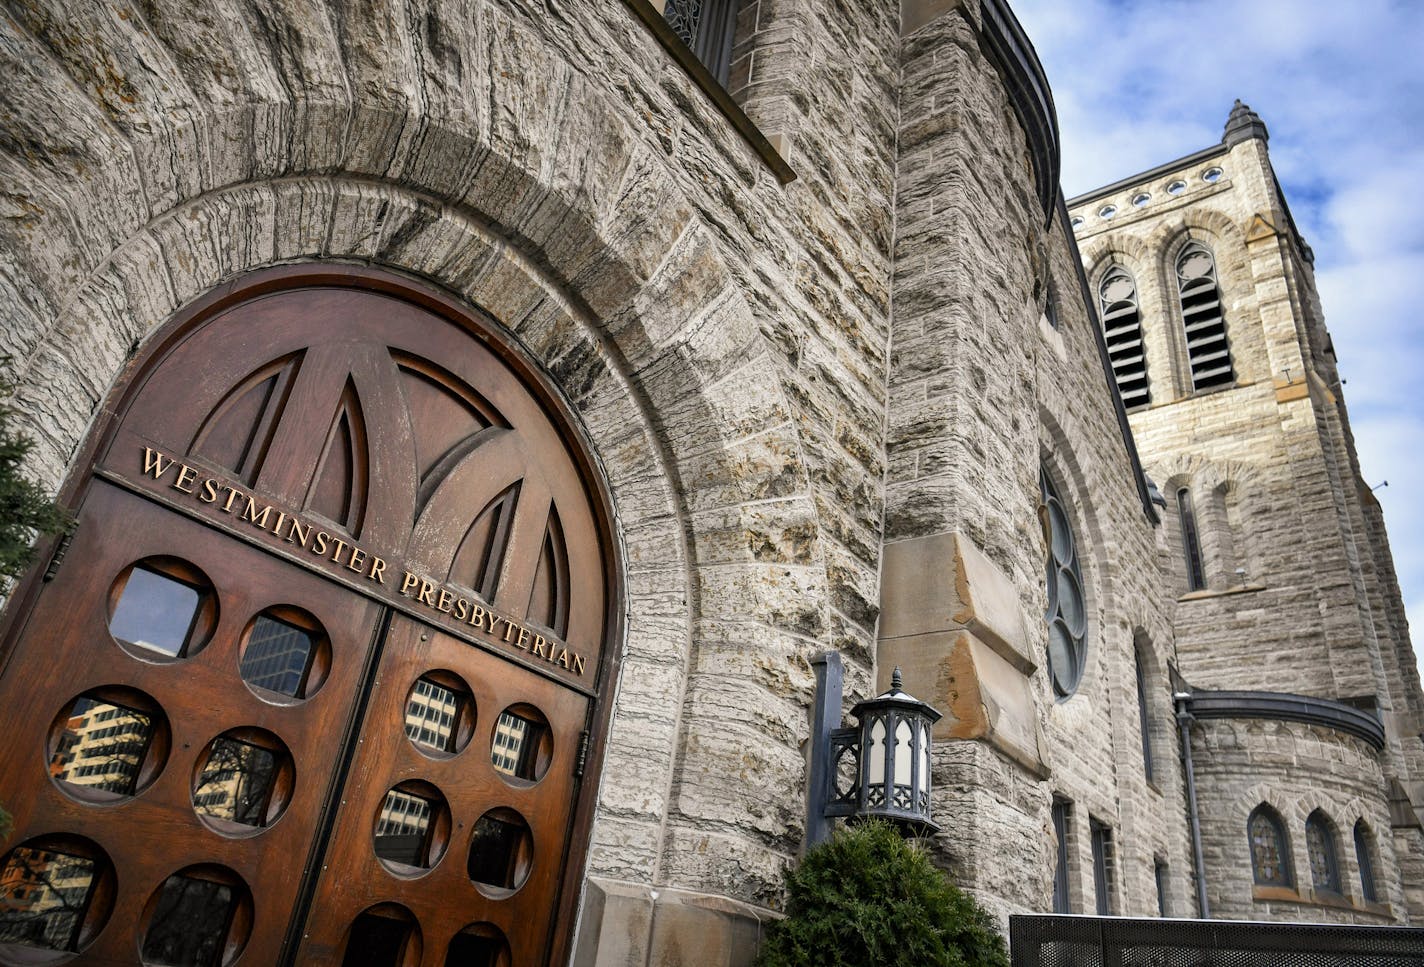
(672, 43)
(1194, 395)
(1319, 898)
(1207, 593)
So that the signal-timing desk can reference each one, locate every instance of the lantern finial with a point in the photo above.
(896, 684)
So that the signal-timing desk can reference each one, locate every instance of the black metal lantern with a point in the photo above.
(880, 767)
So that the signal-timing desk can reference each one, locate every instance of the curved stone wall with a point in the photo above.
(1295, 768)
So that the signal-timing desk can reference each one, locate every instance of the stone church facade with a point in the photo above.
(478, 416)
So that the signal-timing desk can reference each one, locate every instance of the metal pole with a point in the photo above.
(1184, 722)
(825, 716)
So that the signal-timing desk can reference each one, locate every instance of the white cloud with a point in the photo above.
(1140, 82)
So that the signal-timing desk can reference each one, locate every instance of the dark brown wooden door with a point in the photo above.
(316, 678)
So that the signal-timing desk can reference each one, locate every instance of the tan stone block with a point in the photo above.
(981, 694)
(943, 582)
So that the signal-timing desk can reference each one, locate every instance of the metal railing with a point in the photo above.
(1072, 941)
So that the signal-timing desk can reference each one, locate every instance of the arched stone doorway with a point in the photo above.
(323, 661)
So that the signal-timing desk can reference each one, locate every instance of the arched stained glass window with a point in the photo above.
(1270, 851)
(1320, 848)
(1067, 614)
(1364, 858)
(1122, 329)
(1202, 318)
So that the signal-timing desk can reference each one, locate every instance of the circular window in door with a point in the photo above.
(162, 609)
(108, 744)
(242, 782)
(199, 915)
(285, 656)
(56, 894)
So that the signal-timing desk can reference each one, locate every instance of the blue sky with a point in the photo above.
(1341, 88)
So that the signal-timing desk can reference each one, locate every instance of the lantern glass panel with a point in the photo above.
(876, 772)
(904, 753)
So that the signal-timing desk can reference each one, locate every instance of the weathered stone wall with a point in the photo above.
(721, 336)
(1296, 769)
(1301, 595)
(983, 390)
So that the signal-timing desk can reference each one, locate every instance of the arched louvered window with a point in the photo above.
(1270, 850)
(1067, 615)
(1122, 328)
(1191, 540)
(1207, 350)
(1364, 859)
(1320, 848)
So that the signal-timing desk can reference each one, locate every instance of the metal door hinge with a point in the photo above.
(57, 558)
(581, 757)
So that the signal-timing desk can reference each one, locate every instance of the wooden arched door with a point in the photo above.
(316, 676)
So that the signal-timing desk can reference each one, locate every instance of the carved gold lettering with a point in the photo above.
(357, 561)
(251, 513)
(378, 570)
(299, 533)
(155, 464)
(320, 544)
(462, 608)
(408, 581)
(340, 546)
(539, 643)
(232, 494)
(444, 602)
(578, 664)
(186, 475)
(426, 594)
(281, 519)
(477, 617)
(523, 637)
(209, 493)
(563, 658)
(509, 626)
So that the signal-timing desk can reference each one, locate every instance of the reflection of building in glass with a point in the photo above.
(509, 734)
(402, 827)
(43, 898)
(515, 749)
(277, 657)
(102, 746)
(236, 782)
(430, 715)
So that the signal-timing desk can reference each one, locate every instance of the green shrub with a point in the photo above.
(25, 509)
(867, 898)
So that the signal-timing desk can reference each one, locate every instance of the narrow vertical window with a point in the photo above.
(1205, 326)
(1320, 848)
(1102, 866)
(1191, 543)
(1270, 854)
(1122, 330)
(1365, 862)
(1159, 877)
(1061, 812)
(1144, 718)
